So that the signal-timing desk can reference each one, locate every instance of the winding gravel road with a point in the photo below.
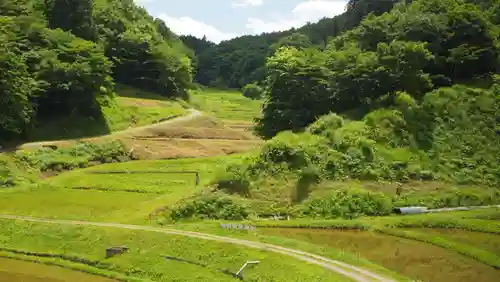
(353, 272)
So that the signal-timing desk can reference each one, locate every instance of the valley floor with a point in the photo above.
(70, 219)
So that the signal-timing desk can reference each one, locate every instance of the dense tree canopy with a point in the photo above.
(240, 61)
(414, 48)
(61, 58)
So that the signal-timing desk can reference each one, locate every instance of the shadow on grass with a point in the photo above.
(61, 128)
(131, 92)
(70, 128)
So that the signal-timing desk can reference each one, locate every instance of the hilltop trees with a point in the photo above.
(62, 58)
(72, 15)
(239, 61)
(413, 49)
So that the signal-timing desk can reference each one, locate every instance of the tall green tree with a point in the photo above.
(298, 90)
(72, 15)
(17, 87)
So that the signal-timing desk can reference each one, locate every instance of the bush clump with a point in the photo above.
(453, 198)
(81, 155)
(6, 176)
(213, 207)
(253, 91)
(326, 125)
(349, 203)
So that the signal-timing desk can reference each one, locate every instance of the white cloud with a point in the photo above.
(246, 3)
(189, 26)
(143, 1)
(307, 11)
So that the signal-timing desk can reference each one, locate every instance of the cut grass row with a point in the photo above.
(145, 258)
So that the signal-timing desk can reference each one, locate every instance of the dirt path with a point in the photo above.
(127, 132)
(353, 272)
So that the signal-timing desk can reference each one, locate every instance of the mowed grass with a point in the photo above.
(114, 197)
(67, 203)
(413, 259)
(16, 270)
(145, 258)
(227, 105)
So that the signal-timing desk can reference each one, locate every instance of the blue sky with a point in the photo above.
(225, 19)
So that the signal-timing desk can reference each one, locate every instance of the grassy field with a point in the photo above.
(464, 246)
(81, 194)
(145, 259)
(229, 106)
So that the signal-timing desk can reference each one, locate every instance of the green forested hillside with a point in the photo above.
(240, 61)
(410, 96)
(237, 62)
(414, 49)
(63, 58)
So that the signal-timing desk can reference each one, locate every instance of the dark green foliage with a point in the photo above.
(296, 40)
(210, 208)
(17, 86)
(72, 15)
(77, 156)
(53, 70)
(145, 53)
(237, 62)
(253, 91)
(298, 88)
(413, 49)
(349, 204)
(49, 70)
(151, 66)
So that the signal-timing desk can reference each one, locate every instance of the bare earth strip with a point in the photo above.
(130, 132)
(353, 272)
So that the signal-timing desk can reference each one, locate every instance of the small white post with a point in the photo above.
(245, 265)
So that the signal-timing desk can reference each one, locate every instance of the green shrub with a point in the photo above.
(6, 176)
(253, 91)
(350, 203)
(81, 155)
(326, 125)
(453, 198)
(234, 180)
(294, 150)
(214, 207)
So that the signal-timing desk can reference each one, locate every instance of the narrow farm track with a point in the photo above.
(350, 271)
(127, 132)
